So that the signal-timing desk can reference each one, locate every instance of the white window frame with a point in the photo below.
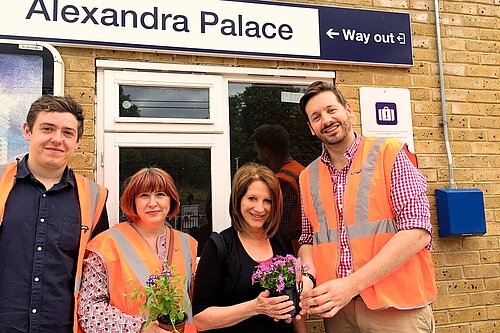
(113, 132)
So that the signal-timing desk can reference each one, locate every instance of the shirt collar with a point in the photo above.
(348, 154)
(23, 172)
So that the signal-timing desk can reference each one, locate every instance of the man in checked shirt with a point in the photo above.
(366, 231)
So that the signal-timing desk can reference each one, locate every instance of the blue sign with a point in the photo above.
(365, 36)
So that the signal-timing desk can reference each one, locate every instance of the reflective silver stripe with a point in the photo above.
(94, 193)
(131, 256)
(188, 262)
(325, 235)
(362, 227)
(374, 227)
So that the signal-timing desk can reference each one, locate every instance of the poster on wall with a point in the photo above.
(26, 72)
(386, 112)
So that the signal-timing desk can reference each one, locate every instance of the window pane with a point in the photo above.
(20, 85)
(191, 171)
(252, 105)
(164, 102)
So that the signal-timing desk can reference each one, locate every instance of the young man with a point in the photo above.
(366, 227)
(47, 214)
(272, 143)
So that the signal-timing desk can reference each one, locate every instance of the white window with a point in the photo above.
(195, 122)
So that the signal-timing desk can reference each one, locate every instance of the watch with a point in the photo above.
(311, 277)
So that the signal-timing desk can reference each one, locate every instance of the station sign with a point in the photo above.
(260, 29)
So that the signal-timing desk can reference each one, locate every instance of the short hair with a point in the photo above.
(242, 179)
(50, 103)
(147, 180)
(274, 137)
(316, 88)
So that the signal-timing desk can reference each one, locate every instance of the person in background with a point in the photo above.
(272, 144)
(48, 213)
(224, 299)
(366, 230)
(122, 258)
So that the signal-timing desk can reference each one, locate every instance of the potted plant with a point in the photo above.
(163, 300)
(281, 276)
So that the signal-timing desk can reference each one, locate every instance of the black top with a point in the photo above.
(219, 282)
(39, 241)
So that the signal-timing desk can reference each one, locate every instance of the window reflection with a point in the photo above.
(164, 102)
(251, 105)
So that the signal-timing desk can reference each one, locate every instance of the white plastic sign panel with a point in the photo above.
(386, 112)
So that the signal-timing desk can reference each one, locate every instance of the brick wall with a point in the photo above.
(467, 268)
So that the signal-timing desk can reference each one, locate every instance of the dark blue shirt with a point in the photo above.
(39, 241)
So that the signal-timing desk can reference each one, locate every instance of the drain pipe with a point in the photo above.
(444, 119)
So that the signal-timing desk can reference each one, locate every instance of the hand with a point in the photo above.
(154, 327)
(328, 298)
(275, 307)
(307, 285)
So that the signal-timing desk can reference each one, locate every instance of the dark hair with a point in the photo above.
(274, 137)
(148, 180)
(50, 103)
(316, 88)
(242, 179)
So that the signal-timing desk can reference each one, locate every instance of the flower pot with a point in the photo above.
(164, 322)
(294, 297)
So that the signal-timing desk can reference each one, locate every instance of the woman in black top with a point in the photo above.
(224, 298)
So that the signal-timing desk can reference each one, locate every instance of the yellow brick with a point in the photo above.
(485, 148)
(461, 32)
(452, 19)
(355, 78)
(424, 80)
(80, 79)
(493, 312)
(468, 135)
(480, 22)
(484, 271)
(88, 127)
(453, 44)
(429, 147)
(490, 59)
(484, 96)
(448, 273)
(451, 302)
(462, 258)
(82, 95)
(453, 329)
(464, 286)
(484, 298)
(484, 71)
(463, 8)
(485, 327)
(467, 315)
(441, 317)
(80, 64)
(481, 46)
(492, 256)
(484, 122)
(492, 284)
(391, 3)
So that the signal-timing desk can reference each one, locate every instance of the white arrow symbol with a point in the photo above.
(331, 34)
(401, 38)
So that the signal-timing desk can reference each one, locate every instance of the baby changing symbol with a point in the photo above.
(386, 113)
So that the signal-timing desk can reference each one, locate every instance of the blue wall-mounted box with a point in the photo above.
(460, 212)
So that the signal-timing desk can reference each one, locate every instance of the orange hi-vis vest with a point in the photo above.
(290, 173)
(130, 261)
(370, 223)
(92, 199)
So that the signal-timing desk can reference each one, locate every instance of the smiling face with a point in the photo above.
(52, 139)
(152, 207)
(256, 205)
(329, 120)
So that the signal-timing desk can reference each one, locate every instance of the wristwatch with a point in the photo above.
(311, 277)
